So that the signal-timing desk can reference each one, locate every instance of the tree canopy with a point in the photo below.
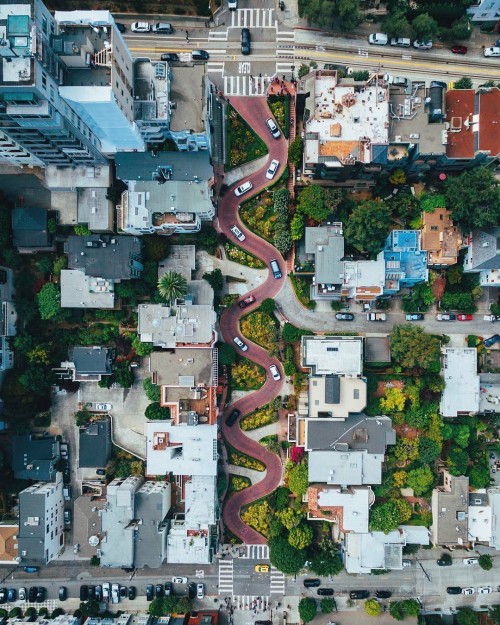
(172, 285)
(301, 536)
(307, 609)
(285, 557)
(368, 226)
(318, 202)
(372, 607)
(411, 347)
(420, 480)
(384, 517)
(466, 616)
(474, 198)
(156, 412)
(298, 479)
(49, 302)
(424, 27)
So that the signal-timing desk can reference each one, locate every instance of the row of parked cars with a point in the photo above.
(382, 39)
(165, 590)
(36, 594)
(314, 582)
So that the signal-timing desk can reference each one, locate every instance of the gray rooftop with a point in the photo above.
(92, 360)
(183, 367)
(29, 227)
(35, 458)
(357, 432)
(152, 503)
(345, 468)
(450, 505)
(326, 243)
(187, 90)
(115, 257)
(342, 355)
(180, 165)
(461, 394)
(81, 291)
(95, 444)
(166, 327)
(484, 250)
(94, 208)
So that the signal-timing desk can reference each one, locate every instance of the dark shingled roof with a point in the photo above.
(104, 256)
(35, 458)
(29, 227)
(332, 389)
(92, 360)
(186, 166)
(95, 444)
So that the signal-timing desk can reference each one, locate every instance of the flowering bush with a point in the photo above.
(263, 416)
(237, 255)
(247, 375)
(296, 454)
(242, 460)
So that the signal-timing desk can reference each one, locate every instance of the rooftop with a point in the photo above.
(151, 90)
(29, 227)
(450, 506)
(94, 208)
(34, 457)
(188, 324)
(152, 504)
(483, 251)
(337, 355)
(345, 123)
(183, 367)
(186, 166)
(188, 93)
(181, 449)
(95, 444)
(87, 523)
(8, 543)
(440, 237)
(349, 468)
(461, 394)
(356, 433)
(116, 257)
(349, 508)
(92, 360)
(326, 244)
(364, 279)
(336, 396)
(480, 526)
(81, 291)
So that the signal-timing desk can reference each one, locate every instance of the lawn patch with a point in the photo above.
(259, 215)
(260, 328)
(238, 459)
(237, 483)
(244, 145)
(263, 416)
(302, 290)
(247, 375)
(238, 255)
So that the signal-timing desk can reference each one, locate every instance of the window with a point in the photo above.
(332, 349)
(434, 228)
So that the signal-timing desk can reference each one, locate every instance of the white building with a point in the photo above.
(461, 394)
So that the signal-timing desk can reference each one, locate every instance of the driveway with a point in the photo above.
(255, 111)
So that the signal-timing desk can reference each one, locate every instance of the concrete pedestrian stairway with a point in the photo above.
(253, 18)
(225, 577)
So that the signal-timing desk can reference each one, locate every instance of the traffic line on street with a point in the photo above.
(246, 85)
(215, 67)
(253, 18)
(284, 68)
(217, 35)
(277, 582)
(250, 602)
(226, 577)
(285, 35)
(257, 552)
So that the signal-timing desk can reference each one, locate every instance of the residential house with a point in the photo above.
(336, 385)
(346, 126)
(347, 508)
(461, 393)
(152, 505)
(366, 552)
(41, 522)
(483, 11)
(483, 255)
(350, 452)
(87, 364)
(364, 280)
(204, 617)
(441, 239)
(103, 256)
(164, 166)
(87, 527)
(30, 230)
(95, 444)
(193, 535)
(8, 319)
(81, 291)
(188, 380)
(450, 509)
(187, 324)
(9, 547)
(480, 519)
(405, 261)
(62, 619)
(494, 500)
(325, 246)
(35, 457)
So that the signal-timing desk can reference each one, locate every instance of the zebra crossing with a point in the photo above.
(253, 18)
(246, 85)
(256, 552)
(218, 35)
(213, 66)
(225, 577)
(277, 586)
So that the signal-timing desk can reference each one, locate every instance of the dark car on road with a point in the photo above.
(454, 590)
(63, 593)
(169, 589)
(325, 592)
(191, 590)
(491, 340)
(11, 594)
(121, 27)
(150, 592)
(312, 582)
(231, 420)
(344, 317)
(32, 594)
(247, 301)
(159, 590)
(84, 592)
(445, 560)
(359, 594)
(123, 592)
(169, 56)
(40, 594)
(200, 55)
(132, 593)
(245, 41)
(383, 594)
(98, 593)
(91, 593)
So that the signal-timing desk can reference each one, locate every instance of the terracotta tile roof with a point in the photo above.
(440, 238)
(333, 513)
(489, 123)
(8, 543)
(459, 109)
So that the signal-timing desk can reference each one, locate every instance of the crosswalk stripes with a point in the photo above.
(215, 67)
(257, 552)
(245, 85)
(226, 577)
(249, 602)
(277, 586)
(217, 35)
(284, 67)
(253, 18)
(285, 35)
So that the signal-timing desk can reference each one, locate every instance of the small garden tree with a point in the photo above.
(372, 607)
(156, 412)
(328, 605)
(485, 561)
(285, 557)
(307, 609)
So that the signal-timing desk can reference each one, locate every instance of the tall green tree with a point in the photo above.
(285, 557)
(49, 302)
(326, 559)
(384, 517)
(172, 286)
(215, 279)
(485, 561)
(301, 536)
(424, 27)
(368, 226)
(328, 605)
(395, 24)
(420, 480)
(474, 198)
(411, 347)
(307, 609)
(466, 616)
(156, 412)
(317, 202)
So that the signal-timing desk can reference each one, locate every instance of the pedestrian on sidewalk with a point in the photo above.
(187, 36)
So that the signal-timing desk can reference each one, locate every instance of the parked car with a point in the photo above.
(84, 592)
(67, 518)
(272, 169)
(179, 580)
(169, 56)
(150, 592)
(383, 594)
(275, 268)
(66, 471)
(465, 317)
(192, 590)
(100, 471)
(121, 27)
(407, 562)
(159, 590)
(262, 568)
(31, 594)
(98, 593)
(401, 42)
(140, 27)
(484, 590)
(243, 346)
(40, 594)
(123, 592)
(445, 560)
(247, 301)
(162, 28)
(344, 316)
(422, 45)
(470, 561)
(414, 317)
(67, 493)
(11, 594)
(200, 591)
(200, 55)
(115, 593)
(492, 340)
(245, 41)
(64, 451)
(106, 591)
(243, 188)
(168, 589)
(494, 51)
(312, 582)
(468, 591)
(325, 592)
(273, 128)
(446, 317)
(454, 590)
(238, 233)
(103, 407)
(231, 420)
(275, 372)
(232, 5)
(378, 39)
(91, 593)
(372, 316)
(22, 594)
(31, 569)
(456, 49)
(359, 594)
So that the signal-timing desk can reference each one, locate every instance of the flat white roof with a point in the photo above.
(337, 355)
(462, 391)
(355, 504)
(181, 449)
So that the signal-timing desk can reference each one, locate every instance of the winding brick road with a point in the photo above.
(255, 111)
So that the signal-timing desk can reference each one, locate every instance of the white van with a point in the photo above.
(243, 188)
(378, 39)
(494, 51)
(401, 42)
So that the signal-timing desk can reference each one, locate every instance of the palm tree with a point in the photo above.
(172, 286)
